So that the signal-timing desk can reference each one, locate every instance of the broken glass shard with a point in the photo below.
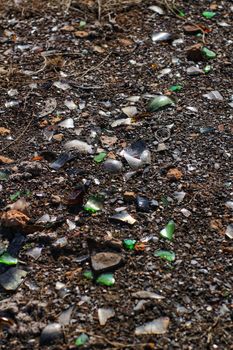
(165, 254)
(130, 111)
(70, 104)
(157, 9)
(129, 244)
(94, 204)
(208, 14)
(162, 36)
(104, 314)
(142, 204)
(34, 253)
(214, 95)
(112, 166)
(207, 69)
(65, 316)
(7, 259)
(159, 102)
(179, 196)
(61, 85)
(82, 339)
(106, 279)
(194, 71)
(80, 146)
(158, 326)
(186, 212)
(229, 231)
(50, 106)
(100, 157)
(50, 334)
(12, 278)
(67, 123)
(119, 122)
(208, 53)
(137, 155)
(123, 217)
(175, 88)
(88, 274)
(61, 161)
(229, 204)
(15, 196)
(163, 72)
(168, 231)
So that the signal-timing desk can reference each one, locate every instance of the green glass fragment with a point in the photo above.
(82, 339)
(159, 102)
(88, 274)
(3, 176)
(106, 279)
(129, 244)
(15, 196)
(208, 14)
(207, 69)
(82, 24)
(100, 157)
(94, 204)
(7, 259)
(168, 231)
(165, 254)
(181, 13)
(208, 53)
(175, 88)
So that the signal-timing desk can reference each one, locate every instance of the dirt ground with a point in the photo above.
(87, 62)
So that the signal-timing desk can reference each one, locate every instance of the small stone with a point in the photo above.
(58, 137)
(194, 71)
(174, 174)
(129, 196)
(50, 334)
(14, 218)
(105, 261)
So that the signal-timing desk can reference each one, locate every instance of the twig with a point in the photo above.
(20, 135)
(95, 67)
(99, 9)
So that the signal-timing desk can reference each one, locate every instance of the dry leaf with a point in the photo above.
(5, 160)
